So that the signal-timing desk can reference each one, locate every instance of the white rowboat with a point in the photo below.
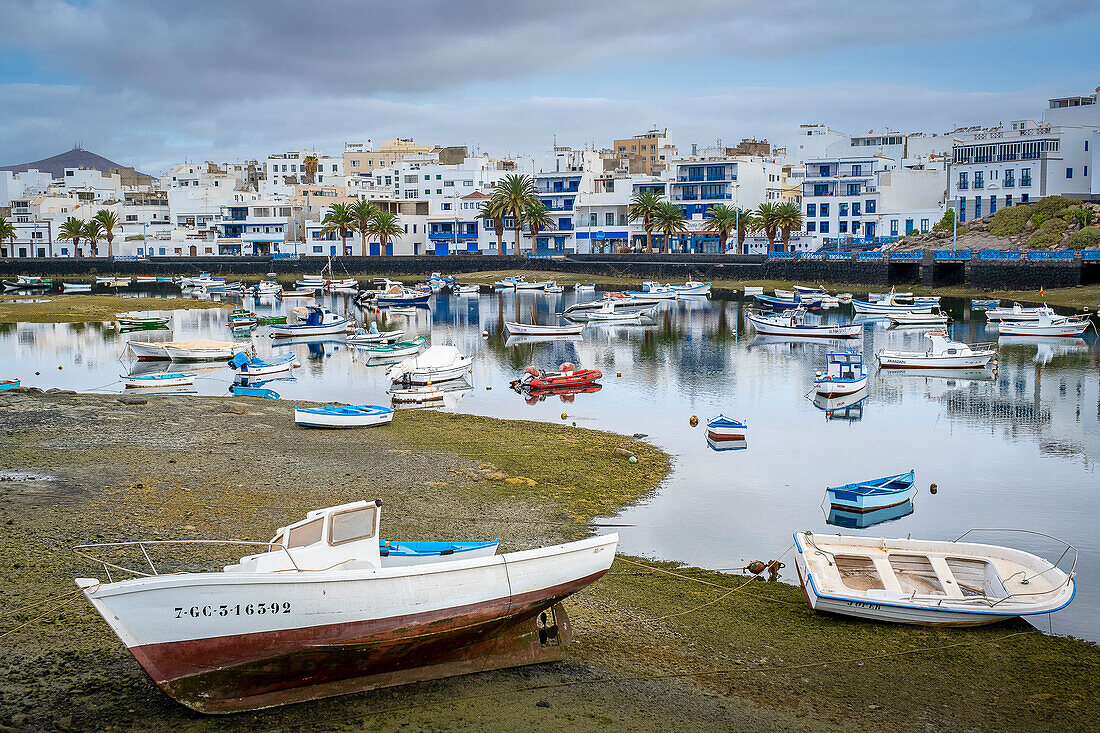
(534, 329)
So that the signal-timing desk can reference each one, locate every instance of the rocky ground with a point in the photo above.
(692, 650)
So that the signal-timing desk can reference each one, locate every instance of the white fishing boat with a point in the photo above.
(941, 354)
(345, 284)
(319, 322)
(467, 289)
(553, 287)
(927, 582)
(608, 313)
(266, 287)
(337, 617)
(534, 329)
(372, 335)
(1048, 323)
(886, 296)
(76, 287)
(204, 278)
(751, 290)
(1016, 313)
(693, 287)
(234, 287)
(845, 373)
(167, 379)
(890, 305)
(509, 282)
(618, 302)
(311, 282)
(539, 285)
(910, 318)
(202, 349)
(438, 364)
(584, 287)
(792, 323)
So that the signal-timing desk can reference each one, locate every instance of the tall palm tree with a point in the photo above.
(723, 220)
(309, 168)
(339, 219)
(518, 194)
(7, 230)
(643, 205)
(93, 230)
(108, 221)
(746, 224)
(669, 219)
(789, 217)
(72, 229)
(537, 218)
(768, 222)
(363, 213)
(386, 225)
(493, 209)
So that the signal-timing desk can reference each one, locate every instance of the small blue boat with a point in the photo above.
(783, 304)
(241, 390)
(879, 493)
(9, 383)
(417, 553)
(342, 416)
(862, 520)
(403, 299)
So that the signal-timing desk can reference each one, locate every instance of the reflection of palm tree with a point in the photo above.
(108, 221)
(669, 220)
(723, 220)
(363, 213)
(789, 218)
(339, 219)
(73, 230)
(643, 205)
(386, 225)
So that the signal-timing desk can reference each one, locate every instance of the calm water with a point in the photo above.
(1015, 450)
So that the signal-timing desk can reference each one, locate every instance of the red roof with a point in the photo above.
(475, 195)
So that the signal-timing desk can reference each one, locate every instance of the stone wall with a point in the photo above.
(1024, 275)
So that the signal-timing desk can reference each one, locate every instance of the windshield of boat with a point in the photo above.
(353, 524)
(306, 534)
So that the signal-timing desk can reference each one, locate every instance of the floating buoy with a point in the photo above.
(488, 387)
(933, 489)
(756, 567)
(564, 416)
(618, 374)
(484, 334)
(633, 459)
(59, 367)
(37, 374)
(574, 423)
(693, 421)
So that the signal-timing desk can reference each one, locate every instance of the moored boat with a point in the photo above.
(76, 287)
(927, 582)
(167, 379)
(1016, 313)
(372, 335)
(333, 608)
(618, 301)
(584, 287)
(466, 289)
(26, 282)
(792, 323)
(941, 354)
(265, 287)
(845, 373)
(879, 493)
(439, 363)
(891, 305)
(9, 383)
(535, 329)
(342, 416)
(402, 297)
(911, 318)
(305, 293)
(142, 321)
(246, 367)
(319, 322)
(721, 429)
(568, 375)
(984, 303)
(1048, 323)
(398, 348)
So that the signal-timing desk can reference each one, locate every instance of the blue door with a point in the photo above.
(332, 250)
(375, 249)
(389, 249)
(441, 248)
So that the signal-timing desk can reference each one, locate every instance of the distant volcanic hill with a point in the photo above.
(75, 158)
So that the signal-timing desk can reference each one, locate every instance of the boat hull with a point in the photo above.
(838, 387)
(531, 329)
(887, 360)
(300, 330)
(767, 327)
(307, 419)
(1036, 329)
(177, 354)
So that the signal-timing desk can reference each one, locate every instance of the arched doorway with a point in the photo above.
(194, 251)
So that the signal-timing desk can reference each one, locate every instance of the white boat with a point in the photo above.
(348, 283)
(784, 294)
(806, 290)
(467, 289)
(553, 287)
(234, 287)
(927, 582)
(204, 278)
(845, 373)
(438, 364)
(751, 290)
(534, 329)
(618, 301)
(336, 617)
(1048, 323)
(540, 285)
(909, 318)
(266, 287)
(693, 287)
(247, 368)
(76, 287)
(311, 282)
(416, 395)
(1016, 313)
(319, 322)
(168, 379)
(584, 287)
(342, 416)
(791, 323)
(886, 296)
(145, 279)
(608, 313)
(401, 310)
(372, 335)
(891, 305)
(941, 354)
(509, 282)
(201, 349)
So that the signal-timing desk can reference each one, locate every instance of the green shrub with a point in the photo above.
(947, 222)
(1048, 235)
(1054, 205)
(1085, 238)
(1037, 220)
(1010, 221)
(1082, 215)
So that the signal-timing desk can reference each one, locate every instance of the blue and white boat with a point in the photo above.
(319, 321)
(862, 520)
(243, 390)
(985, 303)
(166, 379)
(721, 429)
(779, 304)
(9, 383)
(845, 373)
(421, 553)
(891, 305)
(342, 416)
(405, 297)
(867, 496)
(257, 367)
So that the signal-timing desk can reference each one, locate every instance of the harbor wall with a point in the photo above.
(993, 275)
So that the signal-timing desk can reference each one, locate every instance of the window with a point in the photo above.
(855, 208)
(811, 226)
(445, 207)
(893, 227)
(811, 209)
(1085, 172)
(857, 170)
(977, 207)
(963, 182)
(1069, 173)
(824, 227)
(924, 225)
(438, 177)
(843, 209)
(609, 219)
(853, 189)
(870, 206)
(317, 250)
(306, 534)
(1086, 146)
(1010, 179)
(355, 164)
(1008, 200)
(357, 524)
(1025, 177)
(824, 210)
(823, 170)
(1023, 198)
(843, 227)
(979, 179)
(992, 204)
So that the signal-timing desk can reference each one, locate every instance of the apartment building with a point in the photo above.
(260, 227)
(646, 153)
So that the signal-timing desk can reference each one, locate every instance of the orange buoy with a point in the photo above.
(564, 416)
(693, 421)
(756, 567)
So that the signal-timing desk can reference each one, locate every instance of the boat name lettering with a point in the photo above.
(247, 609)
(857, 604)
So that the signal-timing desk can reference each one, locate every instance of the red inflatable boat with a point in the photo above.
(569, 376)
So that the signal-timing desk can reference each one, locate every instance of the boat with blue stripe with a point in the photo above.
(256, 367)
(342, 416)
(878, 493)
(420, 553)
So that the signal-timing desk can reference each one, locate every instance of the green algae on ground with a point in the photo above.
(63, 308)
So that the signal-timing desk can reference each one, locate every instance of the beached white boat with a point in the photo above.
(76, 287)
(926, 582)
(438, 364)
(534, 329)
(319, 322)
(791, 323)
(942, 353)
(167, 379)
(909, 318)
(1048, 323)
(1016, 313)
(342, 416)
(336, 617)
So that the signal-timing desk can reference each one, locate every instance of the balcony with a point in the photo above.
(963, 186)
(1025, 182)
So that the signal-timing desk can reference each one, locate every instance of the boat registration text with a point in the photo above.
(248, 609)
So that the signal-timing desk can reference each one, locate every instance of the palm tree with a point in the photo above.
(767, 221)
(386, 225)
(723, 220)
(643, 205)
(517, 194)
(668, 220)
(363, 213)
(309, 168)
(93, 230)
(746, 223)
(789, 217)
(493, 209)
(537, 218)
(7, 230)
(108, 221)
(72, 229)
(339, 219)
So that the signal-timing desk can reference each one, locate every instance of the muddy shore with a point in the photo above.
(651, 650)
(61, 308)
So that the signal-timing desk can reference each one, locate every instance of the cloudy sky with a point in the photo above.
(152, 82)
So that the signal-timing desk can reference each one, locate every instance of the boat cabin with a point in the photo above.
(343, 537)
(841, 365)
(318, 316)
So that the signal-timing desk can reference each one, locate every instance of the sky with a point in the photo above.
(150, 83)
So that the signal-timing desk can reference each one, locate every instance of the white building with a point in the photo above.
(19, 185)
(998, 166)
